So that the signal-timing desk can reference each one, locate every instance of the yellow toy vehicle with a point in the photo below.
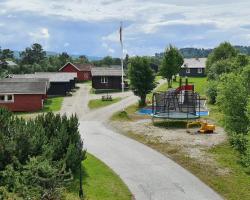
(205, 126)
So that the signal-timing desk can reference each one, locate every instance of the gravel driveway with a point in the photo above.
(148, 174)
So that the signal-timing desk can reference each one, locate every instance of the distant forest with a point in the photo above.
(202, 53)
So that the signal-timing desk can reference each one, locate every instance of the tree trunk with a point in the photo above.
(142, 101)
(169, 83)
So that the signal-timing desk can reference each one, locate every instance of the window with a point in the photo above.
(2, 97)
(199, 70)
(188, 71)
(6, 98)
(104, 79)
(9, 97)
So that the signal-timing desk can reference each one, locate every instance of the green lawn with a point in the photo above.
(126, 114)
(100, 183)
(52, 104)
(98, 103)
(200, 84)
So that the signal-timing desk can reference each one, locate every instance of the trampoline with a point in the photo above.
(176, 116)
(178, 104)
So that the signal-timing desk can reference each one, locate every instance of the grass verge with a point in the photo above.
(99, 183)
(127, 115)
(98, 103)
(52, 104)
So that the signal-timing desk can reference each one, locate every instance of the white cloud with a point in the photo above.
(42, 33)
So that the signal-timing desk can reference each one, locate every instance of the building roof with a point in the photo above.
(23, 87)
(52, 76)
(106, 71)
(194, 63)
(78, 66)
(8, 63)
(9, 79)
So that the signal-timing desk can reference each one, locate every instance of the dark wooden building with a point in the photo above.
(83, 70)
(60, 83)
(193, 67)
(22, 96)
(106, 78)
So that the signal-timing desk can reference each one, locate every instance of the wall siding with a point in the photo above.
(81, 75)
(25, 103)
(193, 72)
(114, 82)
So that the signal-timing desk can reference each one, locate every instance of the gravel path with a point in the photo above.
(148, 174)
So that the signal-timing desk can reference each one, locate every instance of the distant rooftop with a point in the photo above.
(23, 87)
(107, 71)
(52, 76)
(194, 63)
(8, 62)
(9, 79)
(80, 67)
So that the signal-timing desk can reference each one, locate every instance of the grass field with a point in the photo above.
(98, 103)
(199, 84)
(100, 183)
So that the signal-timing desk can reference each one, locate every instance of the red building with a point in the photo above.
(22, 96)
(83, 70)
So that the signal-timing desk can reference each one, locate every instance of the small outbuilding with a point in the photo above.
(20, 96)
(106, 77)
(193, 67)
(83, 70)
(60, 83)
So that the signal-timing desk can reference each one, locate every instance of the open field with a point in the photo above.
(98, 103)
(99, 183)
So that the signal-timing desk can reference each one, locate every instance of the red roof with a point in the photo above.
(80, 67)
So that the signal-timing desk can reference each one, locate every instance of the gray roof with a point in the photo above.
(8, 62)
(22, 87)
(194, 63)
(106, 71)
(52, 76)
(46, 80)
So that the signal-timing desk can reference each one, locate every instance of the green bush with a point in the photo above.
(212, 91)
(239, 142)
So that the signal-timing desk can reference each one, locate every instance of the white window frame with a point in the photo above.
(199, 70)
(6, 98)
(187, 71)
(104, 79)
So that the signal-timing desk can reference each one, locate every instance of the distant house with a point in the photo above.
(8, 63)
(193, 67)
(83, 70)
(22, 96)
(60, 83)
(106, 77)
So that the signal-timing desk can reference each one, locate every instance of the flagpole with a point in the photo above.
(122, 62)
(122, 58)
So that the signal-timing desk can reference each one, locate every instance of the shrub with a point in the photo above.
(212, 91)
(239, 142)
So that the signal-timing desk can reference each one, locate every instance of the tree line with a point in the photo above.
(228, 73)
(35, 59)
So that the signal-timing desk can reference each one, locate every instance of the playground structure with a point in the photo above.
(178, 104)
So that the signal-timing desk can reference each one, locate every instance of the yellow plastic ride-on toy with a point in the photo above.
(206, 128)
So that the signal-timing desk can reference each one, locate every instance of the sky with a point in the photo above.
(91, 27)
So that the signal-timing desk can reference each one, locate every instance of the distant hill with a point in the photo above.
(202, 53)
(51, 53)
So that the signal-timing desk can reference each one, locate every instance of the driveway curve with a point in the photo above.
(148, 174)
